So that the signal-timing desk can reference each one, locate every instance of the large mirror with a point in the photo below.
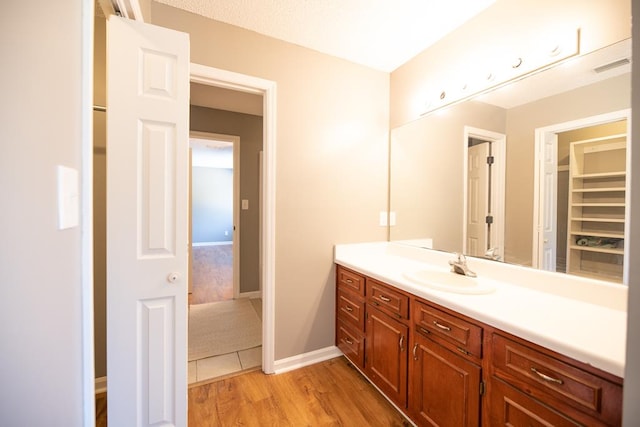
(552, 193)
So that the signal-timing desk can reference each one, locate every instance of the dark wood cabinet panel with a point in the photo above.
(386, 354)
(351, 342)
(444, 387)
(388, 299)
(510, 407)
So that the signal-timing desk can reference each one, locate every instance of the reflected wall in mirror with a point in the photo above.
(429, 157)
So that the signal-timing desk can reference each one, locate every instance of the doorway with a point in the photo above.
(484, 191)
(225, 330)
(555, 211)
(215, 219)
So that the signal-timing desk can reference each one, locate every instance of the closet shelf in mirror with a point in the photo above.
(599, 190)
(615, 174)
(600, 205)
(615, 251)
(606, 234)
(588, 219)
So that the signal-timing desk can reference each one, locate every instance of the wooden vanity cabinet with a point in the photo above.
(445, 381)
(386, 355)
(442, 368)
(387, 340)
(533, 384)
(350, 315)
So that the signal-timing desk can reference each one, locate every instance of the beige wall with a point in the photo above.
(331, 173)
(249, 129)
(504, 24)
(427, 176)
(41, 319)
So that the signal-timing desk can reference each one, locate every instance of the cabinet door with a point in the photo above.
(386, 355)
(444, 387)
(511, 407)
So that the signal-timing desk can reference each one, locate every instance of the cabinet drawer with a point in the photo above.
(463, 336)
(555, 381)
(387, 299)
(351, 343)
(350, 280)
(351, 309)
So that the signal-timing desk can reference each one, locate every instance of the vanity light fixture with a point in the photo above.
(539, 56)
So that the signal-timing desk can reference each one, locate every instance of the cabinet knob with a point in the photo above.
(173, 277)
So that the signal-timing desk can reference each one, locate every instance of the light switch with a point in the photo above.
(245, 204)
(68, 198)
(383, 219)
(392, 218)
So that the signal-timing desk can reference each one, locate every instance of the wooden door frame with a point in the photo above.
(538, 182)
(210, 76)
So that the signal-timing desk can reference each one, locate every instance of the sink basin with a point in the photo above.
(449, 282)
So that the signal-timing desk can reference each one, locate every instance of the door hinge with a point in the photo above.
(490, 160)
(482, 388)
(488, 219)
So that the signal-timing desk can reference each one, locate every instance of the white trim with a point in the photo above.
(129, 9)
(229, 80)
(497, 208)
(86, 215)
(100, 385)
(306, 359)
(538, 206)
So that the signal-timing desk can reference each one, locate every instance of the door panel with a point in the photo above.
(478, 200)
(147, 239)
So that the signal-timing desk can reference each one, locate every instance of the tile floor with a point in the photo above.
(225, 364)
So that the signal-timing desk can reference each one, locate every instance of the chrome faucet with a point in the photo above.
(459, 266)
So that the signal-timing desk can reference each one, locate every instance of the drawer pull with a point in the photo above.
(376, 303)
(402, 343)
(348, 280)
(424, 331)
(463, 351)
(546, 377)
(415, 348)
(443, 327)
(348, 308)
(348, 341)
(385, 299)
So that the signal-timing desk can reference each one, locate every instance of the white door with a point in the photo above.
(478, 199)
(147, 207)
(549, 202)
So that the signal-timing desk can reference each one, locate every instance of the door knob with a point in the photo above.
(173, 277)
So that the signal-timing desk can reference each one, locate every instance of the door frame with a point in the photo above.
(210, 76)
(539, 209)
(497, 207)
(235, 236)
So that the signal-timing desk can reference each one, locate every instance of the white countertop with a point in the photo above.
(581, 318)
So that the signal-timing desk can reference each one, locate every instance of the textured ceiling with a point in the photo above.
(381, 34)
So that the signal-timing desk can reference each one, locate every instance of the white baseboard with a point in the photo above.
(305, 359)
(252, 294)
(101, 385)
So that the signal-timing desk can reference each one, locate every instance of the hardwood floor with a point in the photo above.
(331, 393)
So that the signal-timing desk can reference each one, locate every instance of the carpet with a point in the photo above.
(223, 327)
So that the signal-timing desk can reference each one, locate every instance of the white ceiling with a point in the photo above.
(380, 34)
